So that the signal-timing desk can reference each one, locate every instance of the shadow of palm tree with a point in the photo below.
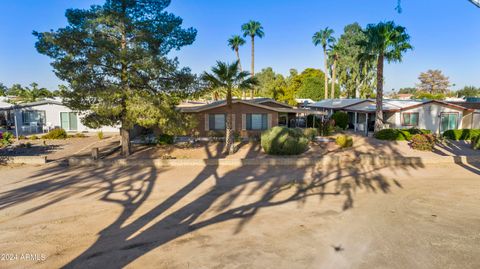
(125, 240)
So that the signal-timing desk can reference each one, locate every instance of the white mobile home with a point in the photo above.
(42, 116)
(436, 116)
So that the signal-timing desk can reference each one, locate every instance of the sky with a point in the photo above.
(445, 35)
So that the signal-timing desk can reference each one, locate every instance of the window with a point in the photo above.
(257, 122)
(31, 116)
(216, 121)
(410, 119)
(68, 121)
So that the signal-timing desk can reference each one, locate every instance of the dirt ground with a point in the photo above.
(59, 149)
(361, 145)
(251, 217)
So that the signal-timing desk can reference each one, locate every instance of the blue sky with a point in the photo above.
(444, 33)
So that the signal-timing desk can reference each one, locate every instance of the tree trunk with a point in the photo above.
(332, 94)
(379, 99)
(253, 63)
(125, 141)
(244, 93)
(229, 143)
(326, 71)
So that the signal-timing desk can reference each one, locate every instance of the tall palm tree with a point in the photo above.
(32, 94)
(228, 77)
(324, 38)
(333, 55)
(385, 41)
(235, 42)
(253, 29)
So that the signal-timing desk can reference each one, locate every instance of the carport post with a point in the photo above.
(366, 124)
(355, 122)
(16, 125)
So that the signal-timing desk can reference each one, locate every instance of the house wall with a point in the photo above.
(239, 109)
(52, 116)
(428, 116)
(471, 120)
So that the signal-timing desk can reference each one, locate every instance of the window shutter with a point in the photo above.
(269, 121)
(249, 121)
(233, 122)
(211, 122)
(207, 122)
(244, 121)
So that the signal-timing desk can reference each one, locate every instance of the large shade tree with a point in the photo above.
(324, 38)
(114, 59)
(228, 77)
(384, 41)
(433, 82)
(253, 29)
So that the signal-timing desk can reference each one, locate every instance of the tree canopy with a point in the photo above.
(468, 91)
(114, 59)
(433, 82)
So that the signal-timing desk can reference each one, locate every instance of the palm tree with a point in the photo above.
(333, 55)
(324, 38)
(385, 41)
(235, 42)
(253, 29)
(32, 94)
(228, 77)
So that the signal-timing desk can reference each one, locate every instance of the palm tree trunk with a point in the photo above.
(253, 63)
(326, 71)
(244, 93)
(379, 99)
(332, 94)
(229, 145)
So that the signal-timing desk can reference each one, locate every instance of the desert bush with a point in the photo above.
(283, 141)
(33, 137)
(424, 142)
(344, 141)
(22, 137)
(461, 134)
(100, 135)
(476, 142)
(310, 133)
(80, 135)
(326, 127)
(341, 119)
(164, 139)
(58, 133)
(6, 139)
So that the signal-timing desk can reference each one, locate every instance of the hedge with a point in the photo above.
(341, 119)
(461, 134)
(399, 134)
(284, 141)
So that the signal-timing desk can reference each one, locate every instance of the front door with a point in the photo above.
(448, 121)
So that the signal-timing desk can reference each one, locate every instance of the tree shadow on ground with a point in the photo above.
(125, 240)
(471, 157)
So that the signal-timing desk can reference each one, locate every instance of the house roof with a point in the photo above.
(5, 105)
(303, 100)
(31, 104)
(269, 100)
(255, 103)
(336, 103)
(369, 105)
(468, 105)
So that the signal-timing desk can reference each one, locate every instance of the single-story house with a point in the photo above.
(436, 116)
(42, 116)
(250, 117)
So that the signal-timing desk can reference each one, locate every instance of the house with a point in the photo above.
(250, 117)
(404, 96)
(42, 116)
(436, 116)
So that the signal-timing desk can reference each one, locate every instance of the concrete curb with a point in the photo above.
(327, 161)
(23, 159)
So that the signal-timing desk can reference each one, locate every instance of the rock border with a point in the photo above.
(23, 159)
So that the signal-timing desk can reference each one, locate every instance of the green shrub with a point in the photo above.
(58, 133)
(165, 139)
(461, 134)
(326, 127)
(22, 137)
(216, 134)
(100, 135)
(341, 119)
(476, 142)
(33, 137)
(344, 141)
(6, 139)
(283, 141)
(237, 136)
(414, 131)
(386, 134)
(80, 135)
(310, 133)
(424, 142)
